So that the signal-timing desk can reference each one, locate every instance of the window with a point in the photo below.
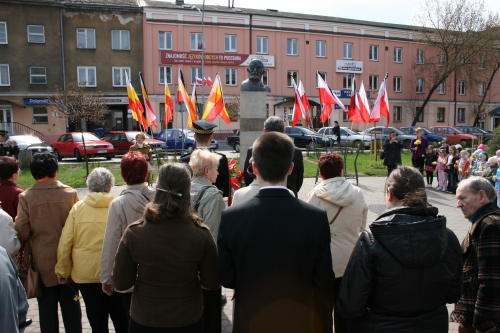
(230, 43)
(420, 86)
(373, 52)
(345, 116)
(262, 45)
(397, 83)
(373, 85)
(38, 75)
(3, 33)
(195, 73)
(420, 117)
(120, 39)
(292, 47)
(398, 54)
(196, 41)
(289, 75)
(461, 115)
(397, 114)
(347, 50)
(442, 88)
(230, 76)
(323, 75)
(164, 40)
(265, 76)
(461, 87)
(119, 76)
(85, 38)
(40, 115)
(320, 49)
(36, 34)
(347, 84)
(440, 115)
(165, 74)
(420, 56)
(87, 76)
(481, 88)
(4, 75)
(482, 62)
(441, 59)
(463, 60)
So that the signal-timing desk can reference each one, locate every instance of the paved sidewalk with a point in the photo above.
(373, 190)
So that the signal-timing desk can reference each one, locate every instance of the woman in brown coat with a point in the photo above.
(42, 213)
(167, 255)
(144, 149)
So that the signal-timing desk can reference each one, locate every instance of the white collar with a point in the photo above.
(273, 186)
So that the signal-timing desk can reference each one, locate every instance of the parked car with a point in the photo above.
(234, 141)
(433, 138)
(348, 137)
(181, 139)
(401, 136)
(454, 135)
(32, 143)
(71, 145)
(475, 131)
(306, 138)
(124, 140)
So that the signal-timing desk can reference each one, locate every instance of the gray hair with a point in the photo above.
(274, 124)
(100, 180)
(476, 184)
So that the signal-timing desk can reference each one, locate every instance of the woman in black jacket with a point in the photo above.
(392, 150)
(405, 268)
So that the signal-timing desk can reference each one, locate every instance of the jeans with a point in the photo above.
(452, 182)
(70, 309)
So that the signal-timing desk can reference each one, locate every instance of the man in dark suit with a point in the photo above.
(274, 250)
(296, 178)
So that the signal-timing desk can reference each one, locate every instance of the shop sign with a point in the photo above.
(222, 59)
(349, 66)
(36, 101)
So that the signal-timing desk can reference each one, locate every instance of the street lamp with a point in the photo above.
(202, 13)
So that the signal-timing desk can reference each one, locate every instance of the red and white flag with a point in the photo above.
(209, 82)
(199, 81)
(356, 115)
(298, 107)
(381, 106)
(327, 98)
(362, 104)
(305, 101)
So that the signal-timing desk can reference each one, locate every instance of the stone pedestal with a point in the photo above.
(252, 117)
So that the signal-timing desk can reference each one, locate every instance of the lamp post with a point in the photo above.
(202, 13)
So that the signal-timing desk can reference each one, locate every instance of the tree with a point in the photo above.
(76, 104)
(233, 108)
(453, 34)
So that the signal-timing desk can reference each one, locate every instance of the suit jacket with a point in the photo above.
(296, 178)
(279, 263)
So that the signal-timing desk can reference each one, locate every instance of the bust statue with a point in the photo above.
(254, 82)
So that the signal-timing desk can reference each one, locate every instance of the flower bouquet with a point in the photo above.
(417, 142)
(235, 176)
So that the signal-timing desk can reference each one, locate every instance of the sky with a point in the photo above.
(386, 11)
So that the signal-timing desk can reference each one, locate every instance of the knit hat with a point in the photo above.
(482, 146)
(477, 152)
(493, 159)
(482, 155)
(498, 153)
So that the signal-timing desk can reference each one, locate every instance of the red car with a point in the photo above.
(123, 140)
(454, 135)
(71, 145)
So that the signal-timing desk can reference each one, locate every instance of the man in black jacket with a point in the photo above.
(392, 150)
(296, 178)
(274, 250)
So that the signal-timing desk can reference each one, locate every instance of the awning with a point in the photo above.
(495, 111)
(18, 103)
(284, 100)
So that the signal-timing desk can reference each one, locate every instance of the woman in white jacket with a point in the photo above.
(8, 235)
(347, 212)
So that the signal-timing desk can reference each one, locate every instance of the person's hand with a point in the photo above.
(107, 289)
(61, 280)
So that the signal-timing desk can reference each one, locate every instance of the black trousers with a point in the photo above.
(212, 311)
(391, 168)
(100, 306)
(341, 324)
(195, 328)
(126, 300)
(419, 164)
(71, 312)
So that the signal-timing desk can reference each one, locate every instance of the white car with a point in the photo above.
(347, 137)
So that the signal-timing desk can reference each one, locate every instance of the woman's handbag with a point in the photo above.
(429, 168)
(28, 273)
(382, 155)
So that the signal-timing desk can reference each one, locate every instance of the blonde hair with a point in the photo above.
(419, 129)
(201, 158)
(140, 134)
(464, 153)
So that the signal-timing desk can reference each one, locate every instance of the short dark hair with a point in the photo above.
(134, 168)
(205, 138)
(8, 167)
(392, 131)
(43, 165)
(336, 122)
(273, 154)
(330, 165)
(274, 124)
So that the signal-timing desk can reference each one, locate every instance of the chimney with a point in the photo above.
(179, 2)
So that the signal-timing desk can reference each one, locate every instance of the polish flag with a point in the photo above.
(327, 98)
(381, 107)
(298, 107)
(199, 81)
(305, 101)
(362, 104)
(209, 82)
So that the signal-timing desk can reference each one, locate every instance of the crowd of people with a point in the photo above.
(154, 259)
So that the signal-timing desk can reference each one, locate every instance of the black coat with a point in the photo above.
(294, 180)
(274, 250)
(8, 150)
(401, 274)
(392, 152)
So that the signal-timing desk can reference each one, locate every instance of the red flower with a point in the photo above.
(235, 183)
(231, 163)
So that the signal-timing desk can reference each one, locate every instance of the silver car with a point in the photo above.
(348, 137)
(31, 142)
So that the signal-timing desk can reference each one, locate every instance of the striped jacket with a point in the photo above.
(479, 305)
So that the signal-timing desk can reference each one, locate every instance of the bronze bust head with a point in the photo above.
(254, 82)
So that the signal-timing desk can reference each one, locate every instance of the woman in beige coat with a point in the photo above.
(42, 213)
(347, 212)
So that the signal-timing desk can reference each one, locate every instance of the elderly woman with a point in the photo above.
(143, 148)
(123, 210)
(79, 252)
(207, 201)
(168, 255)
(347, 211)
(42, 213)
(418, 147)
(407, 254)
(9, 195)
